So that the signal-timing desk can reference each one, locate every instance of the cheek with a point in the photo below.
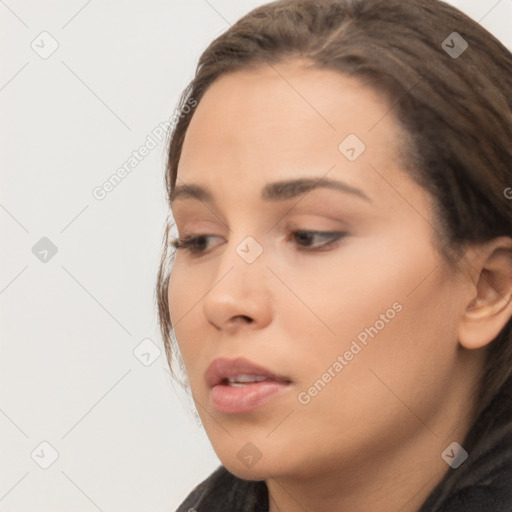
(174, 291)
(185, 291)
(398, 375)
(401, 355)
(396, 315)
(183, 297)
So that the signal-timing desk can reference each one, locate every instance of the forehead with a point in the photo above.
(284, 121)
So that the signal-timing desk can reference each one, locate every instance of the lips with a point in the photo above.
(240, 386)
(222, 369)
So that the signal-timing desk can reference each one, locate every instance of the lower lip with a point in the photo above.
(236, 399)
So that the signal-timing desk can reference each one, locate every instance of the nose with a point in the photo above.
(239, 292)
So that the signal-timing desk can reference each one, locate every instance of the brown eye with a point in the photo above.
(305, 239)
(195, 245)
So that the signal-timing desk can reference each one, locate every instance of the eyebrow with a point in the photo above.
(277, 191)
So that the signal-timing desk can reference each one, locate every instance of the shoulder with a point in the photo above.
(483, 483)
(223, 491)
(478, 499)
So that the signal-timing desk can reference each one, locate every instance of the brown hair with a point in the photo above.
(457, 110)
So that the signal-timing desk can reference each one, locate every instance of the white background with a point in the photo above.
(126, 437)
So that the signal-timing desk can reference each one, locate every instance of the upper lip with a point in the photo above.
(221, 369)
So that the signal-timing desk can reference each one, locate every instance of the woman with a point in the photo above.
(340, 290)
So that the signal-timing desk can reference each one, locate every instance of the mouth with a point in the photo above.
(239, 385)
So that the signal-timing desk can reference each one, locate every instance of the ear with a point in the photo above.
(489, 307)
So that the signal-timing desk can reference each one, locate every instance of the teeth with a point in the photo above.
(241, 380)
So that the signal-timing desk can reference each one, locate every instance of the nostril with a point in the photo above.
(246, 318)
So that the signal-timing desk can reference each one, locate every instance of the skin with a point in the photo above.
(376, 431)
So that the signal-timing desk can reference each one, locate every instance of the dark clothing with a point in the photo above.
(222, 491)
(483, 483)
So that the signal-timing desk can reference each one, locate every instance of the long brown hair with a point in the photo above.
(455, 105)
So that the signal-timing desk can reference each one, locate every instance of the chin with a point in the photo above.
(249, 463)
(259, 471)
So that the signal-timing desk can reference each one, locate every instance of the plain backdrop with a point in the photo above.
(89, 417)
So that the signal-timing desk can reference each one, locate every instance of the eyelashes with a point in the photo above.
(195, 244)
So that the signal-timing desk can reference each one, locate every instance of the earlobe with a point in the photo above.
(490, 306)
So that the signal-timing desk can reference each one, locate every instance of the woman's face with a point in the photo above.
(361, 327)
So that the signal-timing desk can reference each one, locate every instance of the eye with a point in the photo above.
(306, 239)
(197, 245)
(192, 244)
